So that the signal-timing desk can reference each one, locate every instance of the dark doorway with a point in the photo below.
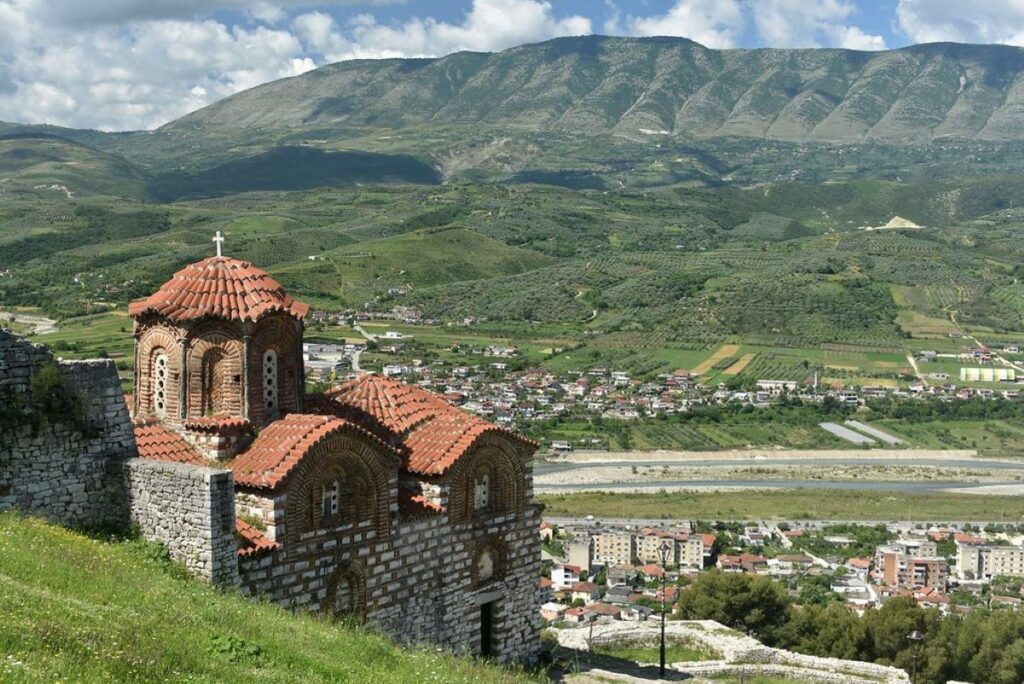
(487, 629)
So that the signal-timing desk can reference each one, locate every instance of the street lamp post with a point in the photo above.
(663, 552)
(915, 638)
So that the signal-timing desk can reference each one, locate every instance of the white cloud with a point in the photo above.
(489, 25)
(978, 21)
(811, 23)
(131, 64)
(80, 13)
(140, 75)
(715, 24)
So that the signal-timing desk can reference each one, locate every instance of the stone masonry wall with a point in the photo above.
(188, 509)
(418, 583)
(67, 470)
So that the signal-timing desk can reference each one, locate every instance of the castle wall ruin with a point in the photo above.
(65, 468)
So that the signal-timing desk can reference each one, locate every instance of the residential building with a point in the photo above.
(613, 548)
(581, 554)
(585, 591)
(563, 576)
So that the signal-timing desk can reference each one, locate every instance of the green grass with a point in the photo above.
(75, 609)
(1003, 438)
(797, 504)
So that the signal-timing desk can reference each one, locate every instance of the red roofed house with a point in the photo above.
(378, 499)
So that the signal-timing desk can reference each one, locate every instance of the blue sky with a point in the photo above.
(136, 64)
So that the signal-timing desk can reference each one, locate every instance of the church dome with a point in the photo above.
(219, 287)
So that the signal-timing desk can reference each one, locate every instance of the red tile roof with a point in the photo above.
(219, 287)
(251, 541)
(281, 445)
(159, 443)
(432, 433)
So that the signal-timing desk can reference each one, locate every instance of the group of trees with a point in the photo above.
(982, 646)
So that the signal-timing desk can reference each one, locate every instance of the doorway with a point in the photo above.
(487, 629)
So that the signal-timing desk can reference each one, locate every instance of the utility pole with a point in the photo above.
(663, 554)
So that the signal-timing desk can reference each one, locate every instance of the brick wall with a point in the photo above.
(188, 509)
(419, 584)
(65, 469)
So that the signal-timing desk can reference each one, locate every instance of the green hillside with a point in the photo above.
(75, 609)
(430, 257)
(50, 166)
(597, 112)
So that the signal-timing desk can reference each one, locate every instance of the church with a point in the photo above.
(376, 501)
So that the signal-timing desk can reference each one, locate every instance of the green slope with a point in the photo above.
(77, 610)
(355, 273)
(47, 165)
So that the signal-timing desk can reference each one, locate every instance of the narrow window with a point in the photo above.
(329, 500)
(481, 492)
(160, 385)
(270, 379)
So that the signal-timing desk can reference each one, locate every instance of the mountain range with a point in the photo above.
(641, 88)
(592, 112)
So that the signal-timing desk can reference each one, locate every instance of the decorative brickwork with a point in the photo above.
(214, 365)
(158, 354)
(452, 561)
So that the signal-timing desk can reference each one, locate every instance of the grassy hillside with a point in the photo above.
(430, 257)
(50, 166)
(774, 264)
(79, 610)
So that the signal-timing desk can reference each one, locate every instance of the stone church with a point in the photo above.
(377, 500)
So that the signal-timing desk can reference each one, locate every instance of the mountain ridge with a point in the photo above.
(639, 87)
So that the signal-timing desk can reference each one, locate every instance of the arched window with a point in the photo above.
(482, 492)
(270, 380)
(330, 500)
(159, 374)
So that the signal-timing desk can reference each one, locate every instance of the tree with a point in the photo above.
(889, 626)
(756, 605)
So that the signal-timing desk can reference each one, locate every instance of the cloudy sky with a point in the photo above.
(136, 64)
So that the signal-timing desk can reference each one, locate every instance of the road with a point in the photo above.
(355, 361)
(359, 329)
(756, 456)
(896, 487)
(917, 371)
(995, 355)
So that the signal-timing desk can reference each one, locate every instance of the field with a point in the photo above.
(78, 609)
(798, 504)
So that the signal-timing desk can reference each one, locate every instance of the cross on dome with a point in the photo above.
(219, 239)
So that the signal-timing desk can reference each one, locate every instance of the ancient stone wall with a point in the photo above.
(421, 584)
(63, 465)
(190, 510)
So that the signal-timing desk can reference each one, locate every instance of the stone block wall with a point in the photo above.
(190, 510)
(65, 469)
(418, 584)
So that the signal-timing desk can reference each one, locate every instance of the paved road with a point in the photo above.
(548, 467)
(902, 487)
